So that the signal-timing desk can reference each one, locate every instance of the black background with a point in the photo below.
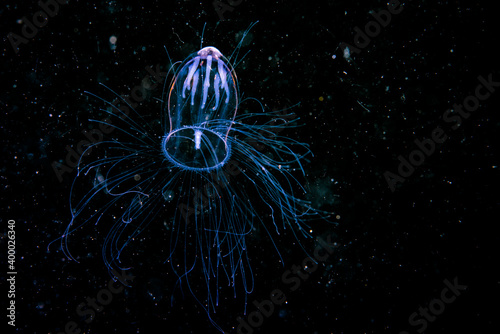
(395, 248)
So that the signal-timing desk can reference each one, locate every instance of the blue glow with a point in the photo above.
(214, 173)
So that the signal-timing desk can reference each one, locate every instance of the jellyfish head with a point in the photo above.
(202, 104)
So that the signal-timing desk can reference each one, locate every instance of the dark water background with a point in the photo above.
(395, 248)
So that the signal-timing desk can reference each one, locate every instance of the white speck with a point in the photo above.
(112, 42)
(347, 54)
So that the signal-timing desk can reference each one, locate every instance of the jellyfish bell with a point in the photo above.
(202, 104)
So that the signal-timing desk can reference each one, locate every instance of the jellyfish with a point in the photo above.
(208, 172)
